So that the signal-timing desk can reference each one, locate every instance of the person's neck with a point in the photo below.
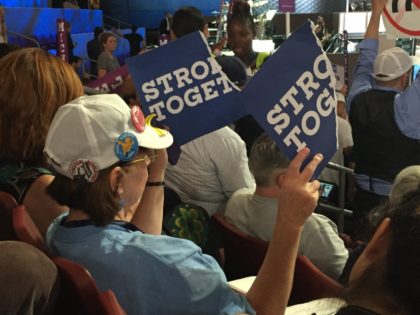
(77, 215)
(248, 59)
(109, 53)
(268, 192)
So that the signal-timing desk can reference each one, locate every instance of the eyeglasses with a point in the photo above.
(146, 158)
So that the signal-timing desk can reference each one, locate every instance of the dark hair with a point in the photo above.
(266, 160)
(103, 38)
(399, 274)
(6, 49)
(403, 257)
(75, 59)
(241, 13)
(187, 20)
(98, 31)
(133, 28)
(95, 199)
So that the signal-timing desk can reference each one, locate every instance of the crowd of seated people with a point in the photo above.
(109, 218)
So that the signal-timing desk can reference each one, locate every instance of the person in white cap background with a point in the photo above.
(101, 151)
(384, 113)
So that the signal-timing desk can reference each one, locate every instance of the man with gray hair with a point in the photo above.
(254, 211)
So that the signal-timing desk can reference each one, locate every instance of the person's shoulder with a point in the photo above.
(343, 125)
(102, 57)
(219, 137)
(242, 193)
(320, 222)
(227, 134)
(237, 201)
(171, 250)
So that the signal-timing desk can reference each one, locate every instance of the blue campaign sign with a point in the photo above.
(292, 97)
(184, 86)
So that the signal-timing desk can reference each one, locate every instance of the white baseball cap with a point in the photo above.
(391, 64)
(94, 132)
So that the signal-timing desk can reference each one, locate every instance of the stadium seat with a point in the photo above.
(26, 230)
(7, 204)
(310, 283)
(244, 254)
(80, 294)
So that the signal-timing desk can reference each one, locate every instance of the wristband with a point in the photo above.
(155, 183)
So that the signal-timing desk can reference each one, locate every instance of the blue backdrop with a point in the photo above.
(25, 3)
(41, 22)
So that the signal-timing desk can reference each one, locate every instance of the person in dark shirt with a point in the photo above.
(70, 44)
(135, 40)
(94, 49)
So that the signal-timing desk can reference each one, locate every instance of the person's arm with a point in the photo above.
(102, 65)
(407, 110)
(298, 197)
(372, 30)
(41, 207)
(363, 80)
(149, 214)
(323, 246)
(231, 162)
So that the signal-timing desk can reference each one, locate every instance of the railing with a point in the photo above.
(86, 59)
(340, 209)
(115, 22)
(25, 37)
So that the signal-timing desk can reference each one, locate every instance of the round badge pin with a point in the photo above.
(84, 168)
(137, 118)
(126, 147)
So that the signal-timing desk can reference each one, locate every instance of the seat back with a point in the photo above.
(310, 283)
(26, 230)
(7, 204)
(244, 254)
(79, 293)
(110, 305)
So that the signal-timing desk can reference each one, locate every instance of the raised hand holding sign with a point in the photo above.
(292, 97)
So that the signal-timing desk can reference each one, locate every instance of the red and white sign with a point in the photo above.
(402, 18)
(62, 47)
(111, 82)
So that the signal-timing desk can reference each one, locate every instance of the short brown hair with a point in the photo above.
(33, 85)
(103, 38)
(95, 199)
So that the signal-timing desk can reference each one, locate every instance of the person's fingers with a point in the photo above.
(310, 168)
(295, 164)
(315, 185)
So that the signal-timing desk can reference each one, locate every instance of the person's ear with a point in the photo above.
(280, 178)
(206, 31)
(377, 246)
(405, 80)
(114, 178)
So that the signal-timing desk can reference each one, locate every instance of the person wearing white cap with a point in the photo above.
(384, 112)
(101, 151)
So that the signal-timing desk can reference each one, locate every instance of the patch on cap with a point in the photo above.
(84, 168)
(137, 118)
(126, 147)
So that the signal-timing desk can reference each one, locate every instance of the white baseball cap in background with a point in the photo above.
(392, 63)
